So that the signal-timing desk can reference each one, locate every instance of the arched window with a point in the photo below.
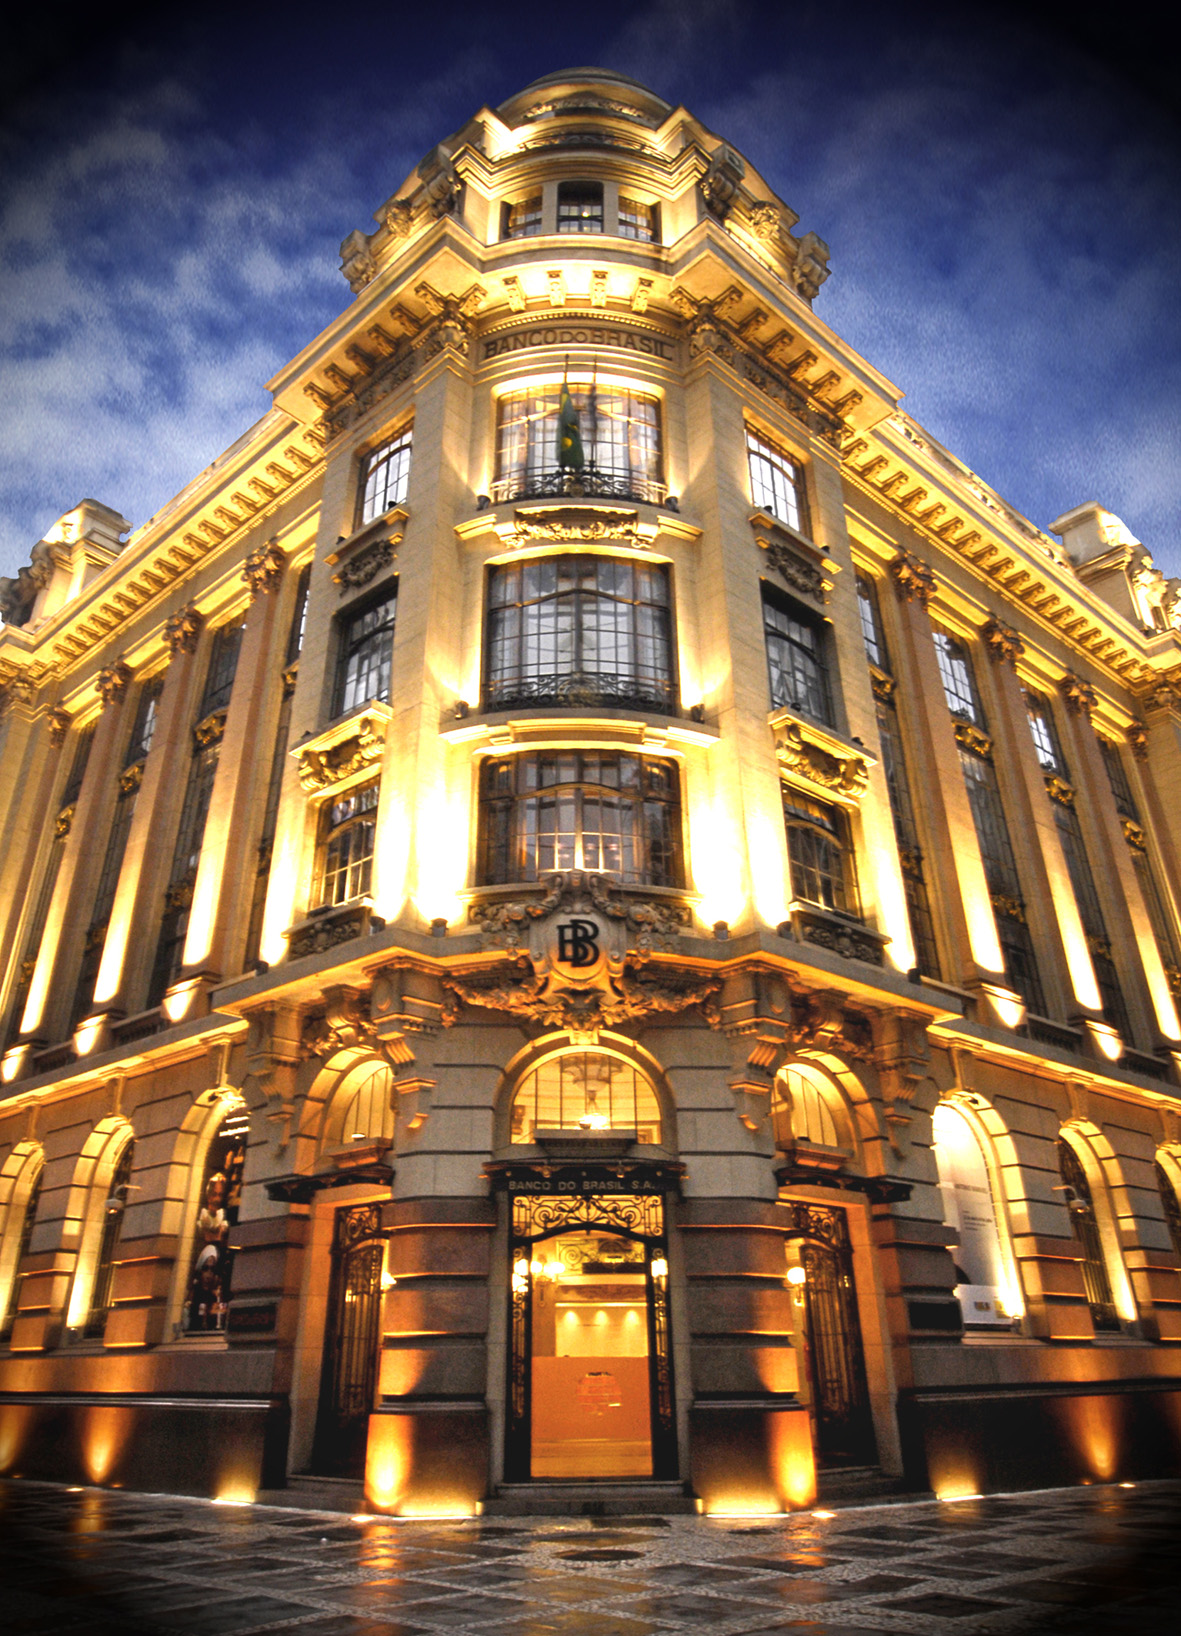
(585, 1092)
(365, 1111)
(104, 1269)
(1171, 1203)
(1086, 1230)
(969, 1207)
(18, 1250)
(208, 1292)
(802, 1109)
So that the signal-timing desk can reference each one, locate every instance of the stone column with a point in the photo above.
(31, 741)
(225, 878)
(50, 993)
(131, 932)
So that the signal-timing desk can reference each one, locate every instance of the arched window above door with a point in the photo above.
(983, 1286)
(806, 1108)
(361, 1109)
(584, 1093)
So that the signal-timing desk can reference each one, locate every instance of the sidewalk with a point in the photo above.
(1070, 1562)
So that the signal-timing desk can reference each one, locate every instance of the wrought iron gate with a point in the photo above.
(349, 1375)
(638, 1217)
(836, 1361)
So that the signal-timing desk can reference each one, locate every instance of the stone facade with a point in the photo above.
(731, 880)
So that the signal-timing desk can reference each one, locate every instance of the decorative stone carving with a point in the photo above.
(58, 719)
(328, 933)
(365, 565)
(357, 261)
(883, 686)
(183, 630)
(765, 221)
(1059, 790)
(399, 217)
(131, 778)
(598, 289)
(1006, 905)
(720, 184)
(913, 580)
(263, 569)
(111, 682)
(650, 923)
(802, 576)
(16, 688)
(318, 769)
(441, 183)
(826, 931)
(1134, 834)
(578, 958)
(902, 1057)
(449, 325)
(63, 822)
(211, 730)
(642, 294)
(1079, 695)
(1137, 736)
(516, 295)
(1003, 644)
(810, 268)
(972, 738)
(846, 775)
(18, 595)
(563, 525)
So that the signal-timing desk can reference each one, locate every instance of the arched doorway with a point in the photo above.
(348, 1376)
(820, 1247)
(590, 1371)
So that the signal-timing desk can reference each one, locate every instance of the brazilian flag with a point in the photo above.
(569, 443)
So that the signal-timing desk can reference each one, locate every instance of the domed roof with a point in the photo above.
(586, 76)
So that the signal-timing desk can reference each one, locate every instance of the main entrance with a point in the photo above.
(832, 1332)
(590, 1379)
(348, 1376)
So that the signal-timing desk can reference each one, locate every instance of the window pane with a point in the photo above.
(365, 655)
(795, 660)
(959, 686)
(636, 220)
(523, 220)
(580, 207)
(776, 480)
(385, 479)
(620, 439)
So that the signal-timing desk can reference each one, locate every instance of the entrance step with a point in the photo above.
(309, 1493)
(861, 1485)
(567, 1499)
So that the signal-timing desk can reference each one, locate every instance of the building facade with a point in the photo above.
(587, 912)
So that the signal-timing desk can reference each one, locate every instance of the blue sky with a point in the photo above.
(1000, 193)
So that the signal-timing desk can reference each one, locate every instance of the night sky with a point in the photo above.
(999, 190)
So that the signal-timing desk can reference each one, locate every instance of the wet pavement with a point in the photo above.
(1071, 1562)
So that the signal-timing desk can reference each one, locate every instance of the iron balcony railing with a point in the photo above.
(593, 482)
(570, 688)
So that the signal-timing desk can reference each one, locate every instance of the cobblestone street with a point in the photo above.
(1065, 1561)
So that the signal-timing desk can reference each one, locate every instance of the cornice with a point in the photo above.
(937, 500)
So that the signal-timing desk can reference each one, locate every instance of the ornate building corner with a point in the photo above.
(111, 684)
(357, 262)
(810, 268)
(1079, 696)
(182, 630)
(719, 186)
(263, 569)
(813, 756)
(1001, 642)
(59, 720)
(913, 580)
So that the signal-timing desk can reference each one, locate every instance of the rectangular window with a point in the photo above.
(223, 664)
(636, 220)
(34, 934)
(344, 855)
(871, 629)
(78, 766)
(1121, 789)
(776, 481)
(620, 432)
(366, 652)
(617, 815)
(1045, 738)
(522, 220)
(1000, 871)
(143, 728)
(580, 207)
(575, 630)
(959, 685)
(795, 657)
(183, 874)
(385, 477)
(910, 855)
(819, 853)
(299, 617)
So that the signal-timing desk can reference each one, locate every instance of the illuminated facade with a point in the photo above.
(540, 984)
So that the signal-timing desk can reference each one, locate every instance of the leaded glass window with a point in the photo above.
(959, 685)
(579, 630)
(344, 861)
(796, 657)
(819, 854)
(385, 477)
(580, 207)
(366, 654)
(1085, 1227)
(636, 220)
(620, 432)
(776, 480)
(522, 219)
(617, 815)
(585, 1091)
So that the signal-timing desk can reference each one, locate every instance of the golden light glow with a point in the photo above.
(1008, 1008)
(14, 1423)
(764, 838)
(825, 1516)
(87, 1035)
(717, 867)
(797, 1276)
(949, 1498)
(1106, 1039)
(391, 856)
(234, 1496)
(441, 834)
(105, 1428)
(387, 1461)
(792, 1459)
(659, 1267)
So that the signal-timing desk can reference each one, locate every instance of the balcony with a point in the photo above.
(579, 689)
(592, 483)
